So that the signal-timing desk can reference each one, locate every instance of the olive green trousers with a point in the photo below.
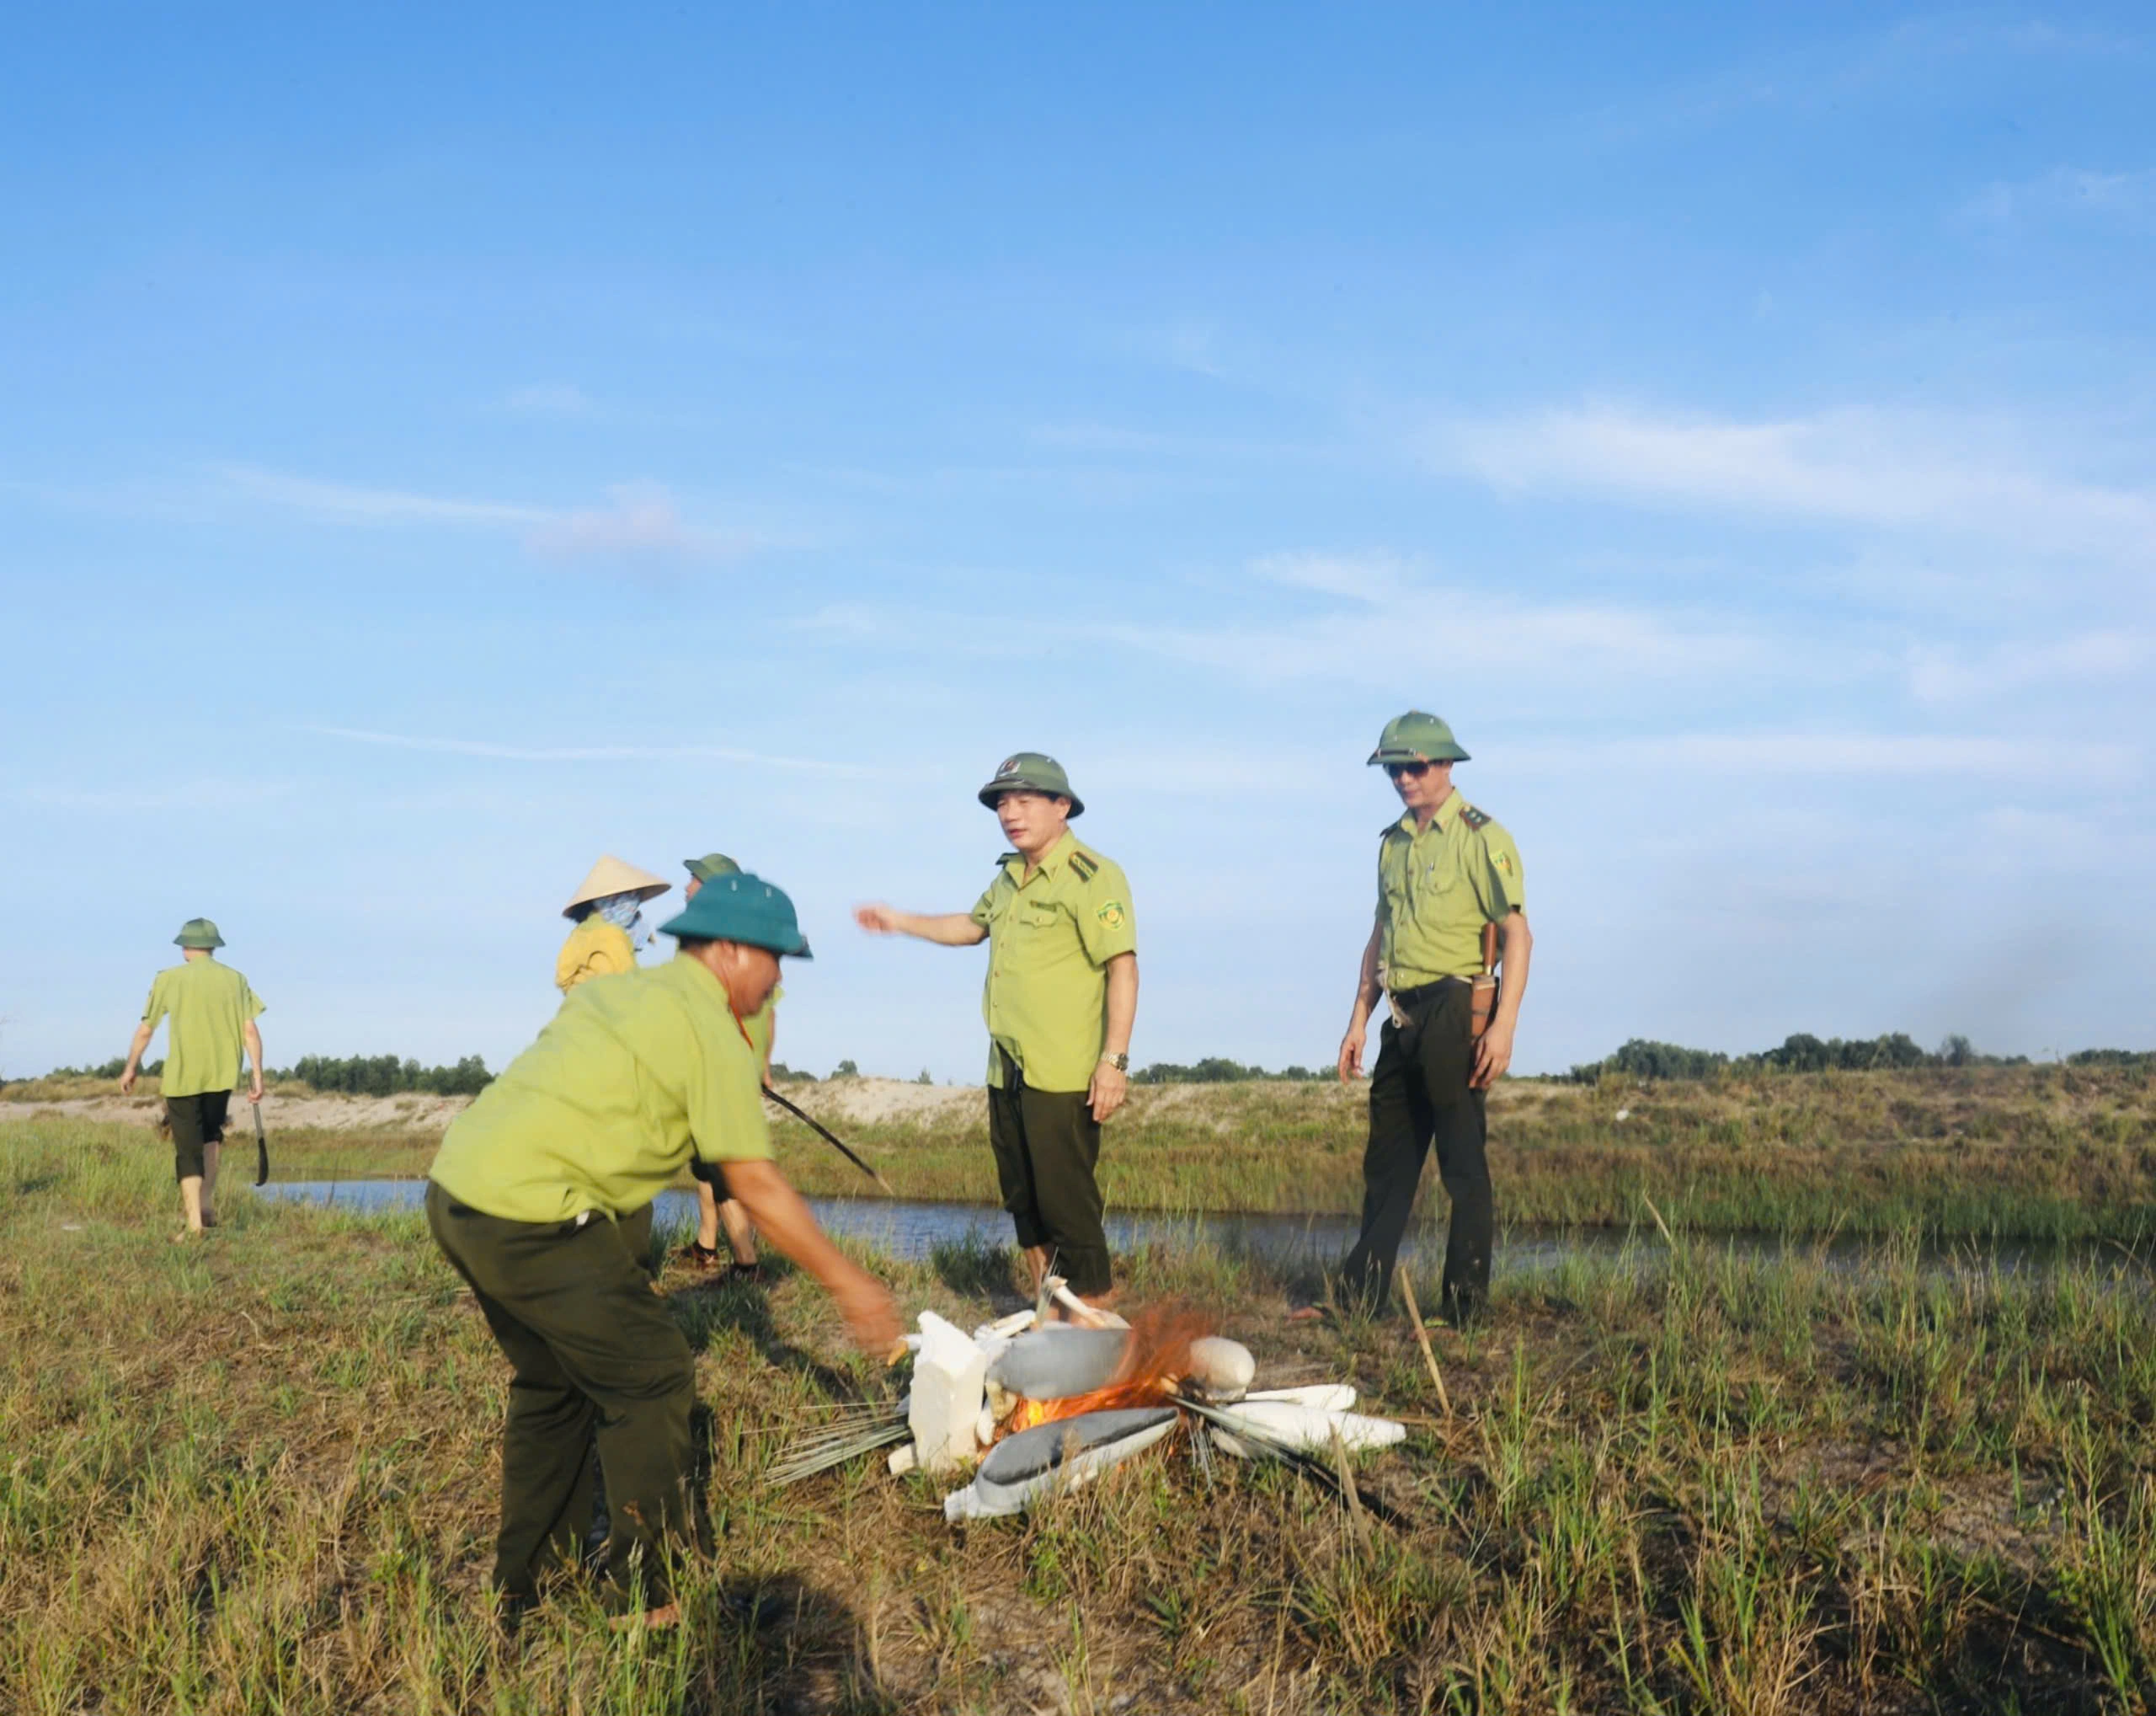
(602, 1383)
(1046, 1144)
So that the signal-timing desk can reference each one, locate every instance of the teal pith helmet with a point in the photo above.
(198, 933)
(741, 908)
(1416, 737)
(1032, 772)
(711, 867)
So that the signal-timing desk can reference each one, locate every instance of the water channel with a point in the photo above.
(912, 1231)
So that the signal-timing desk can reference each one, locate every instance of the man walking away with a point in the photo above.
(1060, 999)
(1445, 870)
(212, 1009)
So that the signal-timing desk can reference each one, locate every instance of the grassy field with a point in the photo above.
(257, 1474)
(2031, 1151)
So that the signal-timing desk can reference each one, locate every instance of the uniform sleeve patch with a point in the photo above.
(1503, 860)
(1110, 915)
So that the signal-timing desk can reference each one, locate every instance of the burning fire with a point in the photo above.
(1154, 1363)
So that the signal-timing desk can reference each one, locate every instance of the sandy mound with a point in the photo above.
(411, 1112)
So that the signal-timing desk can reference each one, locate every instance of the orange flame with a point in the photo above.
(1154, 1361)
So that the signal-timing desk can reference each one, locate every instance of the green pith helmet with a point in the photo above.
(711, 867)
(198, 933)
(1416, 737)
(741, 908)
(1032, 772)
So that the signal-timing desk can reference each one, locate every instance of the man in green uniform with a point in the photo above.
(1061, 997)
(213, 1010)
(717, 1212)
(1444, 870)
(541, 1198)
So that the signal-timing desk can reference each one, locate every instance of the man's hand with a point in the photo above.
(127, 1082)
(877, 919)
(1493, 1053)
(1104, 1094)
(1351, 1052)
(871, 1317)
(255, 1087)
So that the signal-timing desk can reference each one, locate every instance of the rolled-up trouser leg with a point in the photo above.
(1063, 1143)
(196, 1122)
(597, 1360)
(1014, 1164)
(1392, 1168)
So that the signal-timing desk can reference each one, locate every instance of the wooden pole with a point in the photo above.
(1422, 1336)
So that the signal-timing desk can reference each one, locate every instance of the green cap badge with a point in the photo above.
(741, 908)
(711, 867)
(1416, 737)
(1032, 772)
(198, 933)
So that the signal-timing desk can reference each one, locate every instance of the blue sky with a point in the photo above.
(442, 448)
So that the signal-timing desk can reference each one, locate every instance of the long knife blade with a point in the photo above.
(830, 1137)
(261, 1149)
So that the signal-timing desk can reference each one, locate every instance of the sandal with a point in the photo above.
(699, 1257)
(752, 1273)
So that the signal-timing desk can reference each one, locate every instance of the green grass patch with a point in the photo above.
(258, 1473)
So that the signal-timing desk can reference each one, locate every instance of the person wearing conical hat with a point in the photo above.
(1449, 875)
(607, 910)
(540, 1197)
(212, 1010)
(716, 1212)
(1060, 1000)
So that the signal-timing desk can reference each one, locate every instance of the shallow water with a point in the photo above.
(912, 1231)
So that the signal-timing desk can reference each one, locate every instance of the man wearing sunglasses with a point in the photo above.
(1445, 870)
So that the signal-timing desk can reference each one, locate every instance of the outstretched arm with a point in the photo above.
(785, 1224)
(1366, 1001)
(948, 929)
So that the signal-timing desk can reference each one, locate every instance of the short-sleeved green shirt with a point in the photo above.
(209, 1005)
(1049, 941)
(603, 1110)
(1437, 888)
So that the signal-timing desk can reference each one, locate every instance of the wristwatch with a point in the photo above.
(1120, 1062)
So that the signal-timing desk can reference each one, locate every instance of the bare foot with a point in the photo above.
(186, 1234)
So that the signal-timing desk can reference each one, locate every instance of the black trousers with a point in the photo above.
(196, 1121)
(602, 1383)
(1419, 1096)
(1047, 1145)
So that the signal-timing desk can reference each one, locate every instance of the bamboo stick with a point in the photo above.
(1422, 1337)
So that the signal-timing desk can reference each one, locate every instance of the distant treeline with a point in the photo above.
(1214, 1069)
(1805, 1053)
(354, 1075)
(385, 1075)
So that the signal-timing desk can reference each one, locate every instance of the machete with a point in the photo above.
(830, 1137)
(261, 1149)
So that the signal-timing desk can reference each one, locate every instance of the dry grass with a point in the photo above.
(258, 1474)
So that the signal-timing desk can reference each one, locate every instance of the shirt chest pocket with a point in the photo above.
(1035, 917)
(1432, 884)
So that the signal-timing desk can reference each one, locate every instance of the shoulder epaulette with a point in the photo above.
(1474, 818)
(1005, 859)
(1386, 832)
(1085, 867)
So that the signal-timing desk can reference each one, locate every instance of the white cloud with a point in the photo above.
(1843, 754)
(1568, 640)
(1852, 467)
(548, 399)
(639, 518)
(592, 753)
(1372, 577)
(348, 503)
(1942, 674)
(2127, 198)
(141, 799)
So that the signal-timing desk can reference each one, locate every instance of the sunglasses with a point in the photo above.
(1413, 771)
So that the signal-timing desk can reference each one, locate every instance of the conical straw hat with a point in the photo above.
(610, 875)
